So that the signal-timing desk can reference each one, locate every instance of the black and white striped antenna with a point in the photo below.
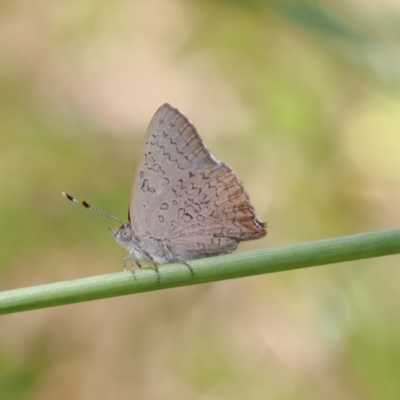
(86, 205)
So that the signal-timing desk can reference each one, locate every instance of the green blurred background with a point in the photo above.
(301, 99)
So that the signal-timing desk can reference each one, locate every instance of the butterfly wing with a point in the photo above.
(183, 194)
(204, 212)
(171, 147)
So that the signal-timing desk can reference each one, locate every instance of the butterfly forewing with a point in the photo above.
(172, 146)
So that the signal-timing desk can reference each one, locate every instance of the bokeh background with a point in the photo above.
(300, 98)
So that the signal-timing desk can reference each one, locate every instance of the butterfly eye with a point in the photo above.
(126, 234)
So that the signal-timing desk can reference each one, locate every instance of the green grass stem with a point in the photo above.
(238, 265)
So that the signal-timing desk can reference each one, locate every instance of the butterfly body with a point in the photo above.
(147, 249)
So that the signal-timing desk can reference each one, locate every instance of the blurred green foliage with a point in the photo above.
(300, 98)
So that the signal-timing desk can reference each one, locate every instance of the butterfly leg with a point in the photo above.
(132, 265)
(177, 257)
(183, 261)
(124, 262)
(158, 272)
(154, 263)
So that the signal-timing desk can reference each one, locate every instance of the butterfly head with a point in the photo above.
(123, 234)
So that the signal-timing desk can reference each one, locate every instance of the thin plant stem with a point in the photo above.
(296, 256)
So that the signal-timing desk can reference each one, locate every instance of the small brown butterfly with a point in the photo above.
(185, 204)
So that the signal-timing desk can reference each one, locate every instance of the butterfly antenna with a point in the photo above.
(83, 203)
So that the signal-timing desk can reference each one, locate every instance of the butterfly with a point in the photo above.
(185, 204)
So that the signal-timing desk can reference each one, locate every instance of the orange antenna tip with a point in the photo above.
(67, 196)
(83, 202)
